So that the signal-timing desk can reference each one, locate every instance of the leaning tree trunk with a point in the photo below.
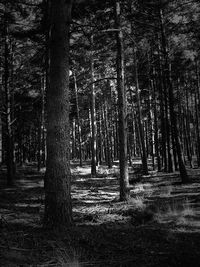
(122, 128)
(58, 208)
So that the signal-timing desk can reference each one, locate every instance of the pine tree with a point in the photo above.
(58, 210)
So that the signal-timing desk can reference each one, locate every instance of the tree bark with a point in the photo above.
(140, 124)
(174, 128)
(1, 124)
(8, 109)
(93, 116)
(78, 123)
(58, 207)
(107, 137)
(122, 128)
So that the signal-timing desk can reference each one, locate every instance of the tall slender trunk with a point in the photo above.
(122, 108)
(40, 128)
(100, 139)
(93, 115)
(187, 127)
(197, 124)
(43, 130)
(58, 207)
(174, 127)
(73, 154)
(162, 111)
(140, 125)
(8, 110)
(155, 109)
(39, 143)
(1, 124)
(107, 137)
(78, 123)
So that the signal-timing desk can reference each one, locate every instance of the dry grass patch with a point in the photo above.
(177, 211)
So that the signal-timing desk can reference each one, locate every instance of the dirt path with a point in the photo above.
(159, 226)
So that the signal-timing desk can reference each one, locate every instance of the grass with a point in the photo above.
(137, 202)
(177, 211)
(107, 232)
(67, 257)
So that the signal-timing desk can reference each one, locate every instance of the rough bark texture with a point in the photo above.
(122, 128)
(58, 210)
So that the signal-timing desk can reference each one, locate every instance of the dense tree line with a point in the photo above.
(125, 73)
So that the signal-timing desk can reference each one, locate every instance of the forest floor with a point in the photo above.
(158, 226)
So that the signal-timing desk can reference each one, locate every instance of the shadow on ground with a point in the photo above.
(158, 226)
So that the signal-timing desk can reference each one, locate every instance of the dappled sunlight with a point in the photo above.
(154, 205)
(30, 184)
(159, 196)
(137, 203)
(181, 213)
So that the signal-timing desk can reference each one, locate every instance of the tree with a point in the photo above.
(93, 115)
(123, 156)
(58, 209)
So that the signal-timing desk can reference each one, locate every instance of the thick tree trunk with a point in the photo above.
(123, 156)
(58, 208)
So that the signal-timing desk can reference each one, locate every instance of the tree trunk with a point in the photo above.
(73, 154)
(107, 137)
(8, 109)
(140, 124)
(39, 143)
(78, 123)
(1, 128)
(197, 130)
(43, 137)
(122, 127)
(93, 117)
(155, 108)
(174, 127)
(58, 207)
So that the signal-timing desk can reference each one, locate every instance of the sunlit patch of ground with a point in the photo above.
(158, 226)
